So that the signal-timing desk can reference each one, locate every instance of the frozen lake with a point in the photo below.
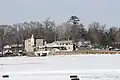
(92, 67)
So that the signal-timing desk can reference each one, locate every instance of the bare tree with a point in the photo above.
(64, 31)
(96, 32)
(49, 30)
(2, 36)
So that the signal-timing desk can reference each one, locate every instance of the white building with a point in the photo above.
(67, 44)
(29, 44)
(7, 49)
(15, 47)
(39, 42)
(32, 43)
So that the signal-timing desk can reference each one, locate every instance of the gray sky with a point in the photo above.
(103, 11)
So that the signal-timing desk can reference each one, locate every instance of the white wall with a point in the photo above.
(28, 46)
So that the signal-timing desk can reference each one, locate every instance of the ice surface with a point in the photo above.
(92, 67)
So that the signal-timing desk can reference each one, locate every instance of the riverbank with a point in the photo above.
(78, 52)
(86, 52)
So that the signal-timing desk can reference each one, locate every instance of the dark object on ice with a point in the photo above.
(73, 76)
(75, 79)
(5, 76)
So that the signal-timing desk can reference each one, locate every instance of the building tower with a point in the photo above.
(32, 40)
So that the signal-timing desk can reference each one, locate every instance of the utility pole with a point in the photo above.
(23, 41)
(18, 39)
(55, 33)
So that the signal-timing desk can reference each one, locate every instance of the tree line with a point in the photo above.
(48, 30)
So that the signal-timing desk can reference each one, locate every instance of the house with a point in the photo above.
(29, 44)
(32, 43)
(66, 44)
(16, 47)
(84, 45)
(39, 42)
(7, 49)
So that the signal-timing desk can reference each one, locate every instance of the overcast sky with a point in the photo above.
(103, 11)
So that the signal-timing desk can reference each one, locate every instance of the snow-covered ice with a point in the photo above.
(87, 67)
